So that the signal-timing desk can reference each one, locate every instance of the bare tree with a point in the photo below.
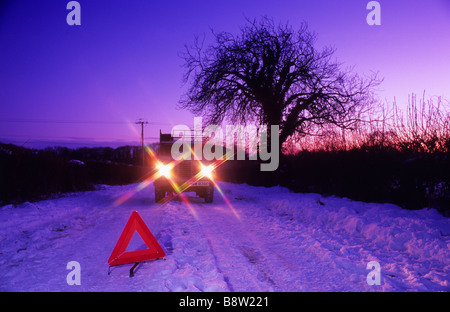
(273, 75)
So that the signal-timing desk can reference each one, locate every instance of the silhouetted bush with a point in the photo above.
(410, 180)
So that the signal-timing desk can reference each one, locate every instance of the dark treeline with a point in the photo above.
(124, 154)
(410, 180)
(31, 174)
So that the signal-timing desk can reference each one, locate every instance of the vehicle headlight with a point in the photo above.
(164, 170)
(207, 171)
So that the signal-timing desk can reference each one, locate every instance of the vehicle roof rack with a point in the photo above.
(178, 134)
(165, 137)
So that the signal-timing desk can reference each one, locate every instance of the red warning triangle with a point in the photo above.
(120, 256)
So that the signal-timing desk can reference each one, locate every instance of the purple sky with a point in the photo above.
(90, 83)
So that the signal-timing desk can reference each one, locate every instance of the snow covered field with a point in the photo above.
(268, 239)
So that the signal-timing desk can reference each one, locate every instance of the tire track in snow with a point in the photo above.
(230, 259)
(192, 265)
(276, 252)
(243, 258)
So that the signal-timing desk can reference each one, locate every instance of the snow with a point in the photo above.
(76, 162)
(266, 239)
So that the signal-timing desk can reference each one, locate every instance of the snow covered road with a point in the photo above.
(267, 239)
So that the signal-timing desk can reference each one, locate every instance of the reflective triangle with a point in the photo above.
(135, 224)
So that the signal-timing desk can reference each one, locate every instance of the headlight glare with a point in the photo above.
(206, 171)
(164, 170)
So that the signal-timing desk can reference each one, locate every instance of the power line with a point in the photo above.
(24, 136)
(76, 140)
(74, 121)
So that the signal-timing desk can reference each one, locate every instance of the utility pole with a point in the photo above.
(142, 123)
